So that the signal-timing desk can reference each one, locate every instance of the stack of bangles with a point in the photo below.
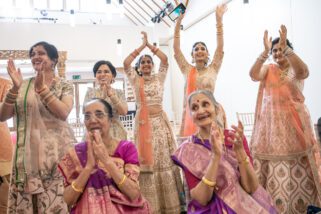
(209, 183)
(135, 53)
(114, 99)
(11, 98)
(219, 29)
(122, 181)
(245, 161)
(76, 189)
(263, 57)
(46, 95)
(154, 50)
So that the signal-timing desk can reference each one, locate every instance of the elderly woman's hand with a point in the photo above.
(99, 147)
(236, 137)
(216, 139)
(91, 162)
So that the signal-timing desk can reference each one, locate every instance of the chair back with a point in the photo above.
(247, 119)
(128, 121)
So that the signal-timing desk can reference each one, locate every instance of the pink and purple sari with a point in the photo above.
(101, 194)
(193, 157)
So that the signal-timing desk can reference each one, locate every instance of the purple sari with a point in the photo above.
(101, 194)
(193, 157)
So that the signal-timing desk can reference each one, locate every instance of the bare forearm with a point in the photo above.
(202, 192)
(300, 68)
(128, 187)
(249, 180)
(132, 56)
(219, 35)
(177, 43)
(120, 105)
(70, 195)
(257, 66)
(159, 53)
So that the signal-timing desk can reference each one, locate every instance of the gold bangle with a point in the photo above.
(75, 188)
(208, 182)
(245, 160)
(122, 181)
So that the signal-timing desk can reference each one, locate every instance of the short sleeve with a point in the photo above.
(67, 89)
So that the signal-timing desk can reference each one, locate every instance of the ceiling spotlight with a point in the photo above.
(120, 1)
(162, 13)
(108, 1)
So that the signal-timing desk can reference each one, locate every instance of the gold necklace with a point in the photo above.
(284, 73)
(200, 137)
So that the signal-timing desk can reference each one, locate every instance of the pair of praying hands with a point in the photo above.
(16, 76)
(267, 41)
(96, 150)
(234, 137)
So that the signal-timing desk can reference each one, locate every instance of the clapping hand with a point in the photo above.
(283, 37)
(145, 39)
(216, 140)
(15, 75)
(236, 137)
(267, 42)
(39, 80)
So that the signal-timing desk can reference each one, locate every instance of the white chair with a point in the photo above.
(247, 120)
(129, 124)
(78, 127)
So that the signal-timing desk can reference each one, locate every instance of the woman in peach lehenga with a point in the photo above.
(286, 155)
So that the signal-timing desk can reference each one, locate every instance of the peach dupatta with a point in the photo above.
(189, 126)
(145, 147)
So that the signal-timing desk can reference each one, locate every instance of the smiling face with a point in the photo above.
(96, 117)
(38, 56)
(277, 54)
(104, 75)
(202, 110)
(146, 65)
(200, 53)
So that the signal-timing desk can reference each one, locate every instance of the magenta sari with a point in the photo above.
(101, 194)
(193, 157)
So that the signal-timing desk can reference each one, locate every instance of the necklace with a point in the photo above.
(284, 73)
(200, 137)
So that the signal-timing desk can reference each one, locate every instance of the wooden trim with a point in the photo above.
(137, 11)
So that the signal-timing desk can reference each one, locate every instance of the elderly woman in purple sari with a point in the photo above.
(217, 165)
(101, 174)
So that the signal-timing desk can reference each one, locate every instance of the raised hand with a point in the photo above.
(267, 42)
(236, 137)
(39, 80)
(99, 148)
(15, 75)
(180, 18)
(283, 37)
(145, 39)
(91, 162)
(220, 10)
(216, 139)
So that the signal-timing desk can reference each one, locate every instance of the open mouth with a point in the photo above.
(203, 117)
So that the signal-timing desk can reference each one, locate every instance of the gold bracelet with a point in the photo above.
(208, 182)
(245, 160)
(75, 188)
(122, 181)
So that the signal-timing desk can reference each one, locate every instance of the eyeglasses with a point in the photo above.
(98, 115)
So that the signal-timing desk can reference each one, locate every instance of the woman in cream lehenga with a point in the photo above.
(40, 105)
(105, 74)
(160, 180)
(203, 75)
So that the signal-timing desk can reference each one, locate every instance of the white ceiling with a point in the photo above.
(90, 12)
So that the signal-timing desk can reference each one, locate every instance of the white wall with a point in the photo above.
(244, 25)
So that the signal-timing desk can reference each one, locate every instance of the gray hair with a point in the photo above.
(217, 106)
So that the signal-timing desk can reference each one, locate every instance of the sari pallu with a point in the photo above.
(230, 197)
(101, 194)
